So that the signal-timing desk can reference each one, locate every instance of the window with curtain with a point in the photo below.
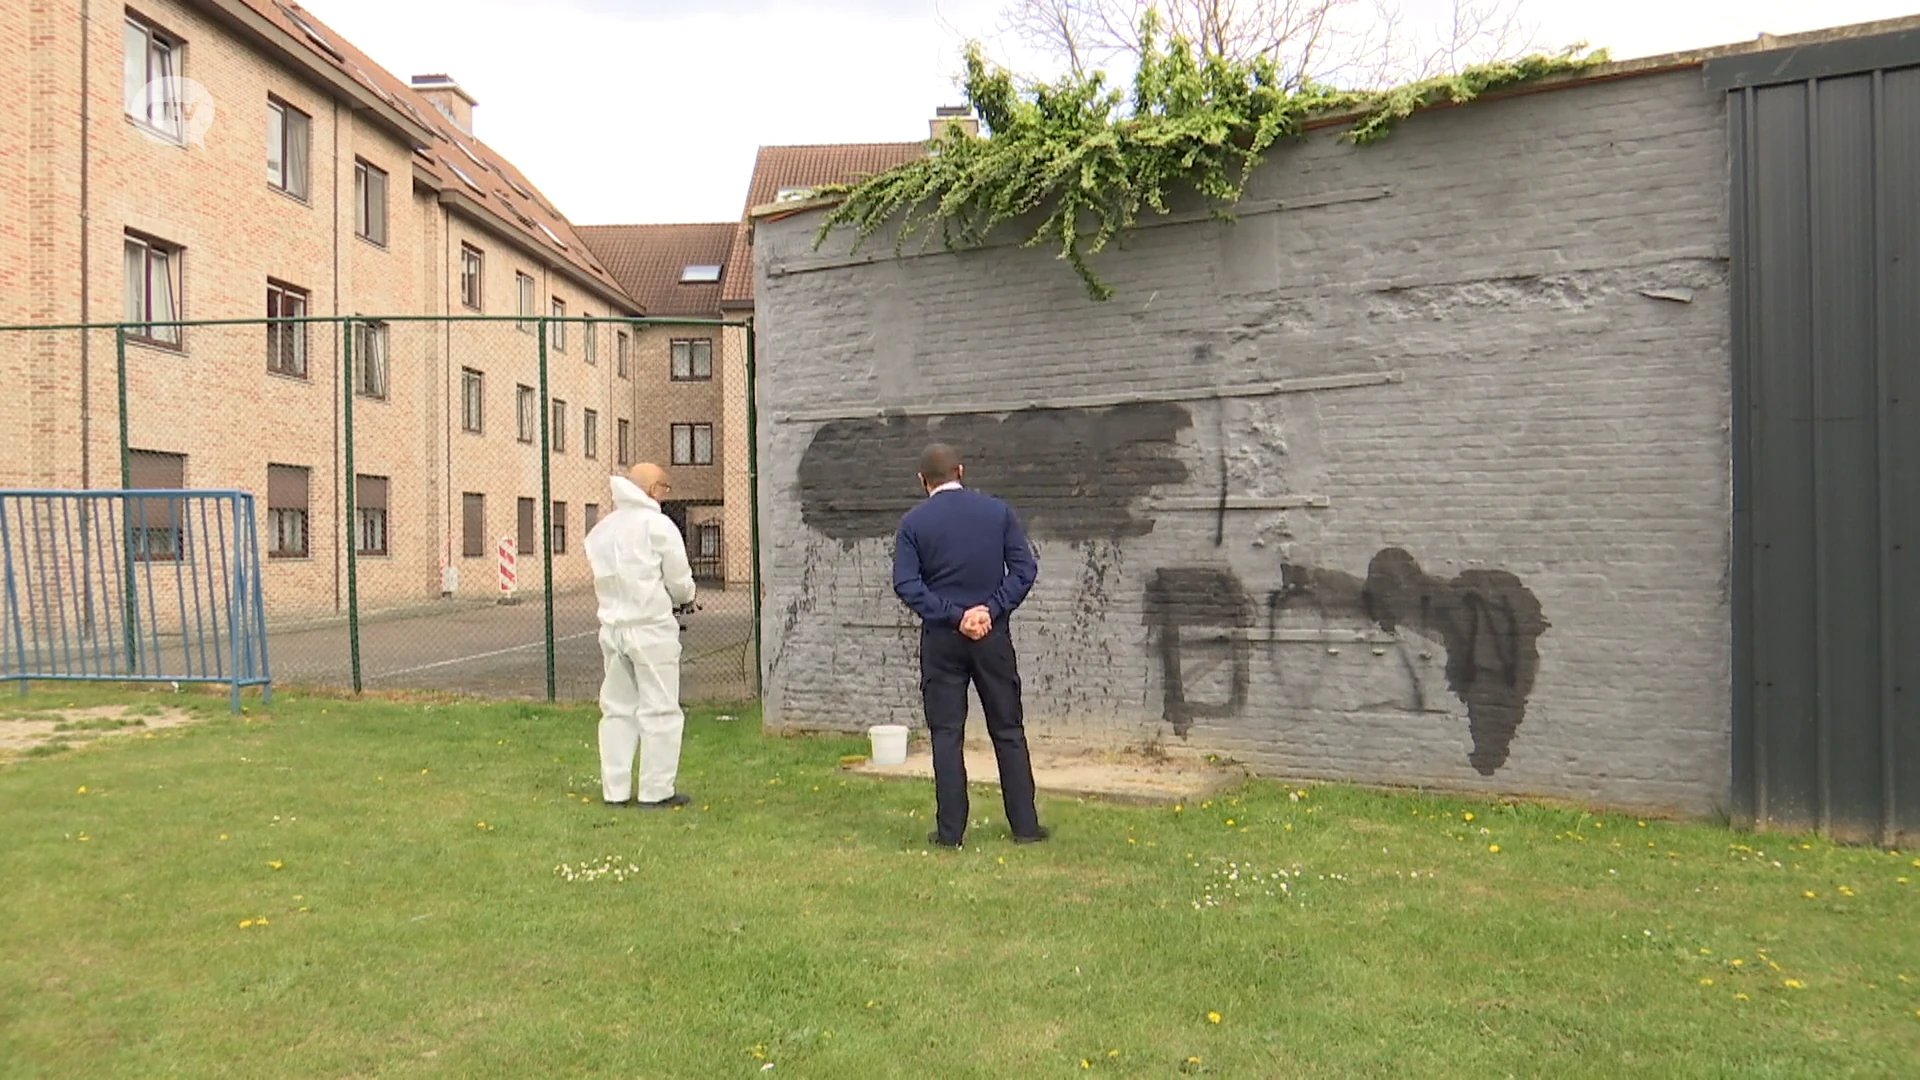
(370, 360)
(369, 202)
(287, 143)
(370, 514)
(286, 342)
(152, 289)
(287, 511)
(150, 80)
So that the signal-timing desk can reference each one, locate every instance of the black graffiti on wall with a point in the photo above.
(1073, 474)
(1489, 622)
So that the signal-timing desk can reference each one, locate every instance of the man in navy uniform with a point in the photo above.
(962, 563)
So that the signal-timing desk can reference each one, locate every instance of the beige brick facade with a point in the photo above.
(234, 235)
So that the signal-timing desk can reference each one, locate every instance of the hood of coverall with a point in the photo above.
(628, 496)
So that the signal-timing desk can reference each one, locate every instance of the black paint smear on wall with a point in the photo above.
(1072, 474)
(1488, 620)
(1199, 598)
(1491, 625)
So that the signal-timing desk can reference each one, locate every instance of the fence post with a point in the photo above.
(753, 506)
(131, 606)
(13, 595)
(546, 502)
(347, 512)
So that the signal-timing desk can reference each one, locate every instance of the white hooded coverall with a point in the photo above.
(640, 574)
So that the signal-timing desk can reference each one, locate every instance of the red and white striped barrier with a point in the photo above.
(508, 563)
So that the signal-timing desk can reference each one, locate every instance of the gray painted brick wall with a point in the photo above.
(1528, 424)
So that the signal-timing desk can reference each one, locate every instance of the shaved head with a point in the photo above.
(651, 479)
(939, 464)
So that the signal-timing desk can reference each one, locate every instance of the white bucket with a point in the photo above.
(889, 743)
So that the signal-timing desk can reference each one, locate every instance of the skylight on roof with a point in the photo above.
(515, 185)
(471, 156)
(700, 273)
(551, 236)
(462, 174)
(313, 33)
(791, 194)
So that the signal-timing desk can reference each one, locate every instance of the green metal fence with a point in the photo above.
(425, 483)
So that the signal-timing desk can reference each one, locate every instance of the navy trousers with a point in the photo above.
(948, 663)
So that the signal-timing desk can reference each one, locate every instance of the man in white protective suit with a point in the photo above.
(640, 575)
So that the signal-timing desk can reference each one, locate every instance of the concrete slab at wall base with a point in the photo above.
(1078, 773)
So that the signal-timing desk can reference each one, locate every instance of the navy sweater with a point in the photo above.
(958, 549)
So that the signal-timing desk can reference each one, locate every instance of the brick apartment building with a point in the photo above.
(699, 374)
(376, 198)
(692, 381)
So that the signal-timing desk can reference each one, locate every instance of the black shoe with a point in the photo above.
(1035, 838)
(678, 798)
(934, 839)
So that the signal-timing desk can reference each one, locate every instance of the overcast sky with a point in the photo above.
(650, 110)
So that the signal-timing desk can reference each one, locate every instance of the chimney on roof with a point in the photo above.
(445, 95)
(952, 116)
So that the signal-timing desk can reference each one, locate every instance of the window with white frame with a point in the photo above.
(286, 341)
(557, 436)
(288, 146)
(622, 353)
(590, 433)
(623, 442)
(557, 330)
(590, 339)
(153, 289)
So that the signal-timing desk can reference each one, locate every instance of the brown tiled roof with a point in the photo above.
(647, 261)
(503, 192)
(779, 167)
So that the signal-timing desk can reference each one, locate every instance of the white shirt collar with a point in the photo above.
(951, 485)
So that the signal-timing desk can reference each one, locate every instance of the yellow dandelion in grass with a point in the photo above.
(1494, 848)
(82, 791)
(1706, 982)
(1468, 816)
(1193, 1059)
(1229, 822)
(1741, 997)
(244, 923)
(1706, 952)
(1846, 890)
(1085, 1064)
(1178, 808)
(1810, 894)
(275, 864)
(1793, 984)
(1213, 1018)
(1899, 881)
(1737, 962)
(1113, 1053)
(223, 836)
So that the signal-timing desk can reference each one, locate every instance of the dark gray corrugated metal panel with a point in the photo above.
(1826, 235)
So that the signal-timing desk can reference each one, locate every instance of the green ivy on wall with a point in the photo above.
(1069, 151)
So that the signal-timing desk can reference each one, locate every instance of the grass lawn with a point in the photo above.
(328, 888)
